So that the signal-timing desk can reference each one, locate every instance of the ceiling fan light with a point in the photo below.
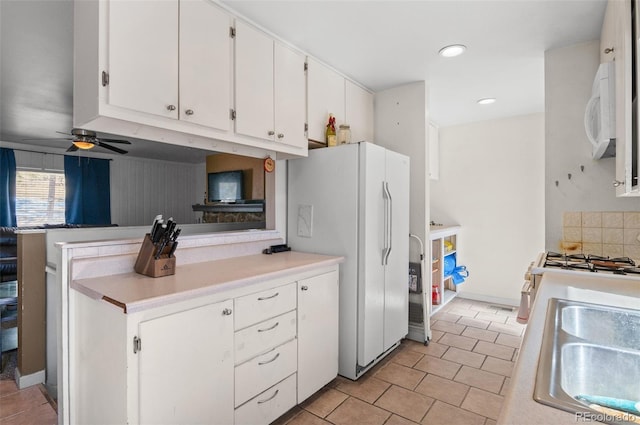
(81, 144)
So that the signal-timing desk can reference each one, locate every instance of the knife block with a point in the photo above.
(147, 265)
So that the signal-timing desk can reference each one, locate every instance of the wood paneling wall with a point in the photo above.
(140, 188)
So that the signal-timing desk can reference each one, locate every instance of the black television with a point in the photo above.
(225, 186)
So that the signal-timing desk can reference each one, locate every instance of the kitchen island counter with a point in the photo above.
(135, 292)
(519, 407)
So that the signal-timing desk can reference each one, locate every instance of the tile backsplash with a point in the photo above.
(613, 234)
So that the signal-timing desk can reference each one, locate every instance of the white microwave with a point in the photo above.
(600, 114)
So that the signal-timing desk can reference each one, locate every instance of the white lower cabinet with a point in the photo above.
(170, 347)
(262, 372)
(268, 405)
(243, 356)
(317, 332)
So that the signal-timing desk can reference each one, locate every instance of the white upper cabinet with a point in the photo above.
(205, 64)
(290, 99)
(617, 46)
(254, 82)
(270, 88)
(325, 95)
(143, 56)
(163, 70)
(359, 112)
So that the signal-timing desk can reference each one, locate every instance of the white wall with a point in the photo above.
(492, 184)
(140, 188)
(401, 125)
(569, 73)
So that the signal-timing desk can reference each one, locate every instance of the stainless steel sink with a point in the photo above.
(602, 325)
(588, 349)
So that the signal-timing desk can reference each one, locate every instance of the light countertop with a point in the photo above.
(519, 407)
(440, 231)
(135, 292)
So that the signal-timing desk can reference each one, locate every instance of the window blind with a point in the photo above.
(39, 198)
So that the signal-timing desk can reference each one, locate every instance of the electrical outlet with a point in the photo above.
(305, 221)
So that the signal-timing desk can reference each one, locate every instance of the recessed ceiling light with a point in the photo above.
(487, 101)
(452, 51)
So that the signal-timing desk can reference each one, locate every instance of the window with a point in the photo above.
(39, 198)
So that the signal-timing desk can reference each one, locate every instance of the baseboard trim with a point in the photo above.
(489, 299)
(29, 380)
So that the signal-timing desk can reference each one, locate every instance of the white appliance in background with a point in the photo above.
(353, 200)
(600, 114)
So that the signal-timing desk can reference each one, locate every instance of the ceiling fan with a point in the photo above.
(87, 139)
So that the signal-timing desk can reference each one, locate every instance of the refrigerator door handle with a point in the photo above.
(390, 221)
(385, 250)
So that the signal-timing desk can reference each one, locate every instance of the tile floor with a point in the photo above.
(459, 378)
(28, 406)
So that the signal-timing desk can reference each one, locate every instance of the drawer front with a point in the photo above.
(262, 372)
(264, 336)
(260, 306)
(269, 405)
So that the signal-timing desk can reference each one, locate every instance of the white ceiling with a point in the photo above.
(380, 44)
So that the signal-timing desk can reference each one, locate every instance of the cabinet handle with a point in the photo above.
(189, 112)
(268, 329)
(617, 183)
(608, 50)
(269, 361)
(226, 312)
(304, 288)
(270, 398)
(171, 108)
(280, 135)
(271, 133)
(268, 298)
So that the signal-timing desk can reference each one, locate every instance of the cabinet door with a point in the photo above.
(186, 367)
(205, 64)
(317, 333)
(143, 56)
(359, 112)
(254, 83)
(290, 98)
(623, 81)
(325, 95)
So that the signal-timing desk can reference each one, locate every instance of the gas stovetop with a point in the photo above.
(590, 263)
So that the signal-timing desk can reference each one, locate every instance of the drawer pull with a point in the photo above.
(226, 312)
(304, 288)
(268, 298)
(269, 361)
(270, 398)
(268, 329)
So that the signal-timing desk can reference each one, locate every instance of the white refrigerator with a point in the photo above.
(353, 200)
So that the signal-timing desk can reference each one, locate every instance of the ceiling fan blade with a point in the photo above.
(66, 134)
(46, 140)
(113, 141)
(72, 148)
(112, 148)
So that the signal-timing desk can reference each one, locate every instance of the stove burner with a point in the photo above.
(623, 260)
(591, 262)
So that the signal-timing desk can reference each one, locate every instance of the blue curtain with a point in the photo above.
(87, 193)
(7, 188)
